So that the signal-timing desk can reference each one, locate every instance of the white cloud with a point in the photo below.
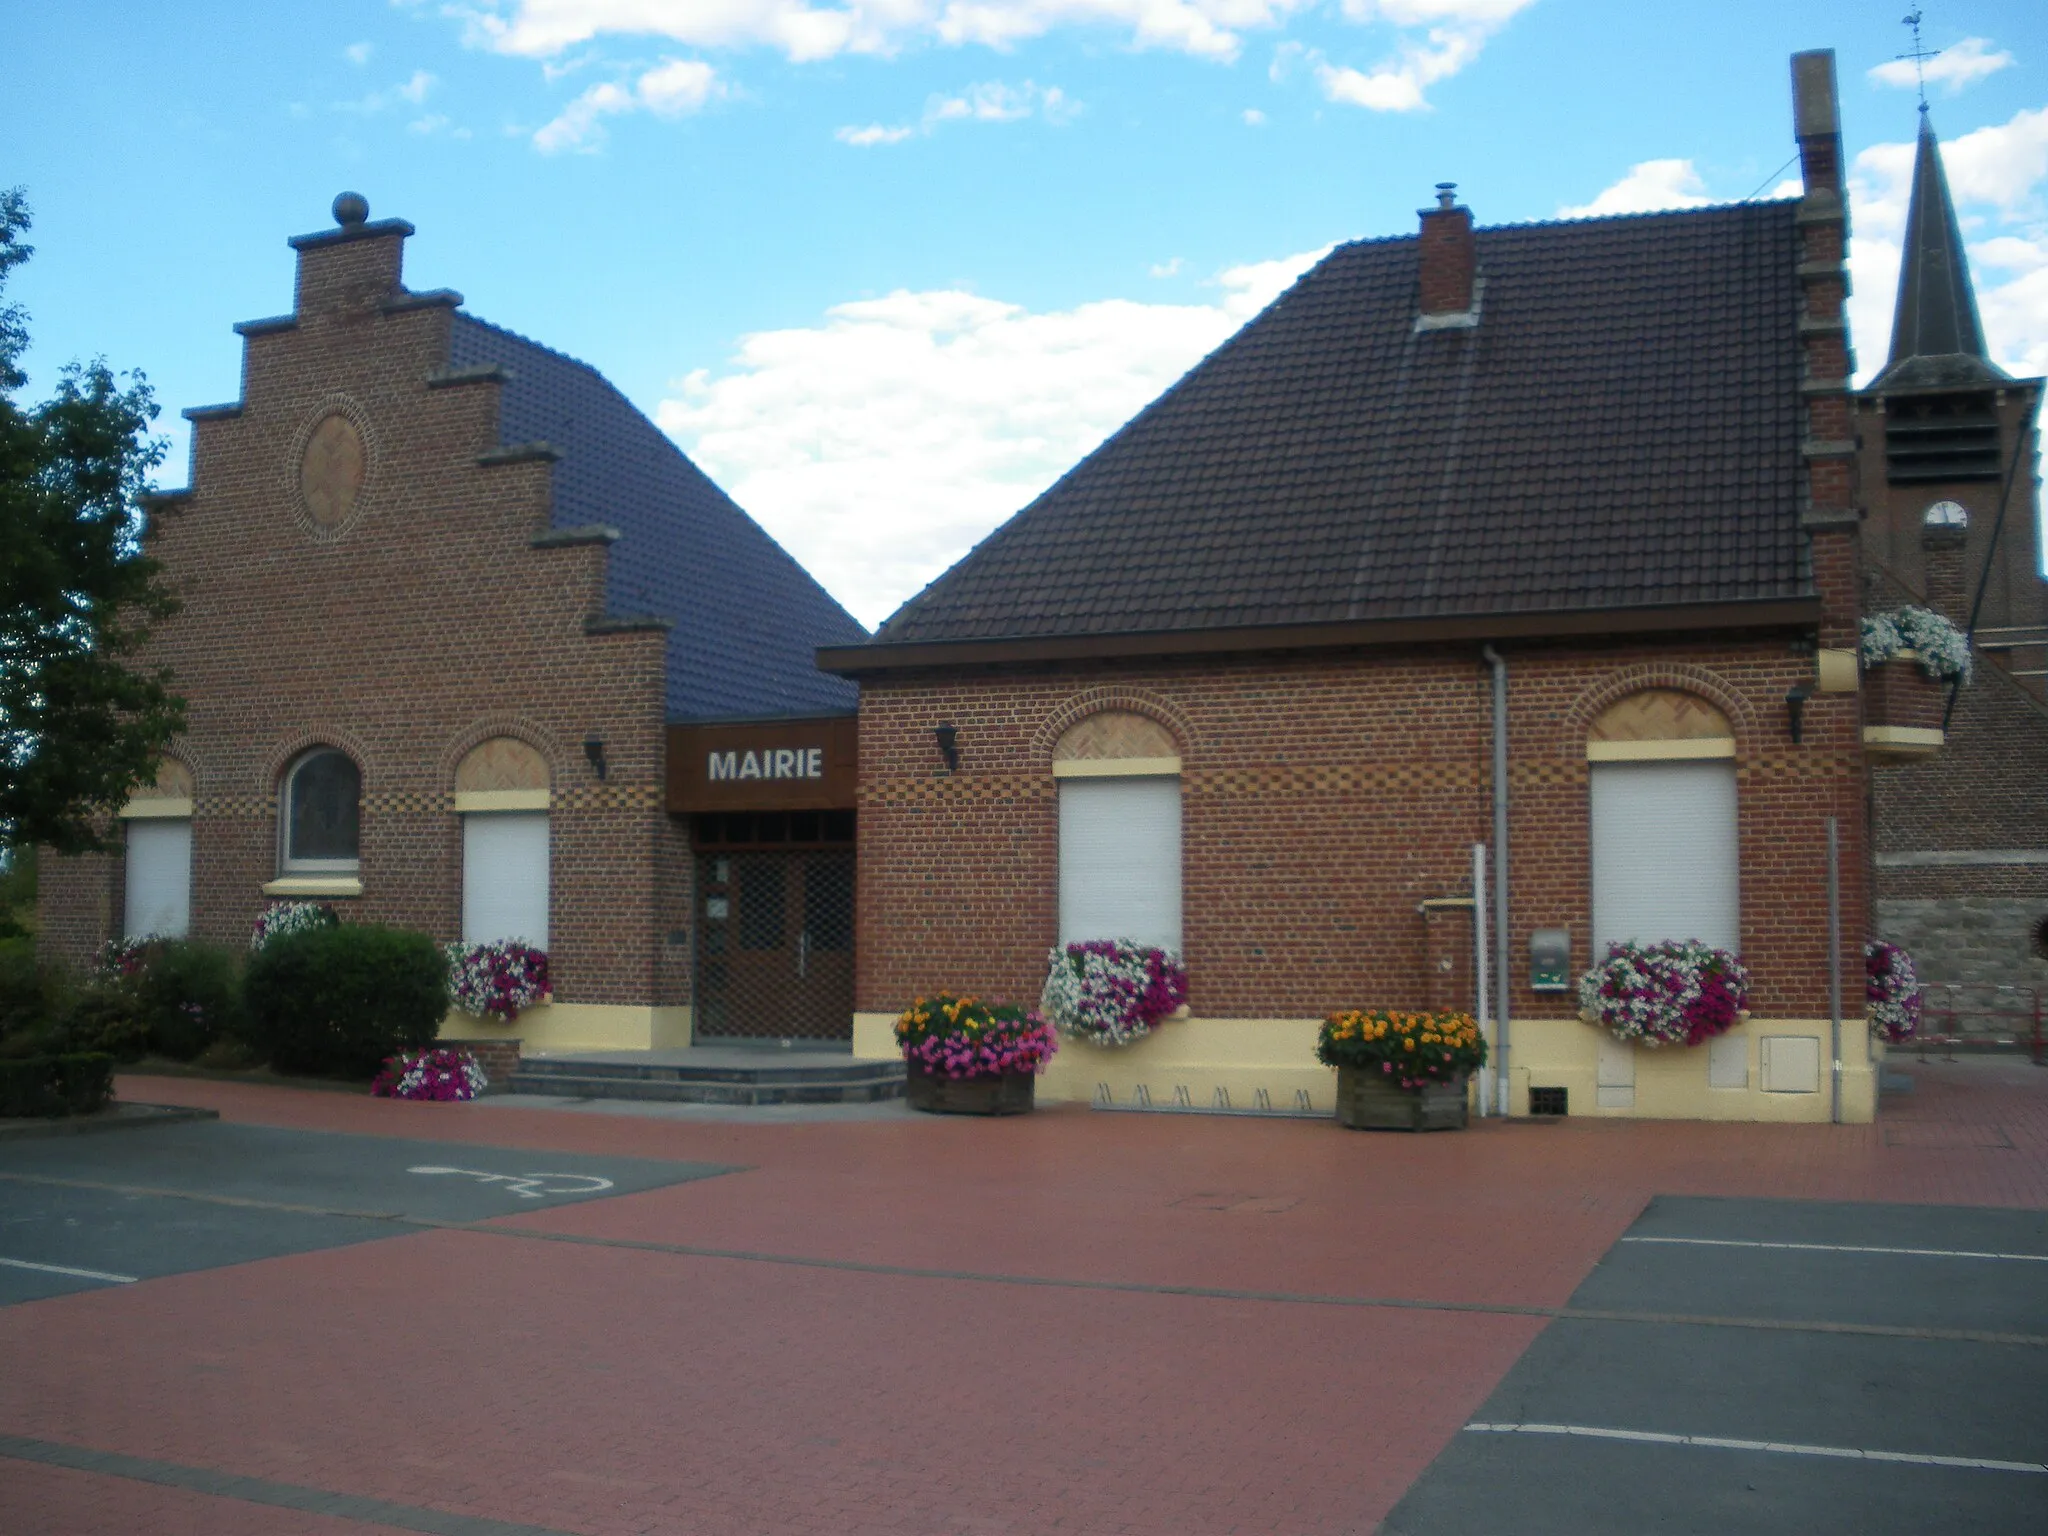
(1167, 268)
(359, 53)
(1648, 186)
(412, 92)
(989, 102)
(804, 32)
(1956, 66)
(1998, 176)
(415, 90)
(670, 89)
(1254, 118)
(879, 445)
(872, 134)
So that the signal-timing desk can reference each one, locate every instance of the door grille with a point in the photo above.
(775, 944)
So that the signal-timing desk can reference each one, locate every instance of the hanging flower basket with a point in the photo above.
(1112, 991)
(496, 980)
(1892, 991)
(1938, 650)
(966, 1057)
(1675, 993)
(1401, 1071)
(283, 917)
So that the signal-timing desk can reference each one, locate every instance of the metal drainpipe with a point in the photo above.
(1501, 950)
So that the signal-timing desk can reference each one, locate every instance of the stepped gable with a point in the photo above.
(1618, 424)
(747, 618)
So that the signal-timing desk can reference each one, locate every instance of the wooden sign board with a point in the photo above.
(764, 765)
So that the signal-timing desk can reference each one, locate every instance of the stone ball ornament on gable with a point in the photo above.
(351, 209)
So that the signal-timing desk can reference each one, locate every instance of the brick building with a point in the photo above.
(1949, 448)
(448, 598)
(1550, 528)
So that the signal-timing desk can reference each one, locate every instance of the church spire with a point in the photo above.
(1937, 342)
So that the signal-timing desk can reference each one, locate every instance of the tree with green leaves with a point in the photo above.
(82, 721)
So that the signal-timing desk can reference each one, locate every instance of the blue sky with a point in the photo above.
(887, 268)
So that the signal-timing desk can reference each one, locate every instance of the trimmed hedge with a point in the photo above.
(338, 1001)
(50, 1086)
(189, 996)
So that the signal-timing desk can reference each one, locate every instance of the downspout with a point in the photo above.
(1501, 949)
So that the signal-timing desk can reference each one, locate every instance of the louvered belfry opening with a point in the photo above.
(1941, 437)
(774, 925)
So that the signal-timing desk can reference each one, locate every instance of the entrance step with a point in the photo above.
(712, 1076)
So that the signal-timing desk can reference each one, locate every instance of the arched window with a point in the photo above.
(1664, 845)
(322, 815)
(501, 793)
(1120, 857)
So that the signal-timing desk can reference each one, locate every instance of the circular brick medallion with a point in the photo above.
(332, 470)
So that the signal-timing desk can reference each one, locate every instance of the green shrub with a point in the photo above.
(337, 1001)
(104, 1018)
(189, 996)
(32, 994)
(75, 1084)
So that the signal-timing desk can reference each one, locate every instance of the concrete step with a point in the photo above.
(833, 1080)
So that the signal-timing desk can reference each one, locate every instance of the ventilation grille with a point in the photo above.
(1548, 1101)
(1949, 437)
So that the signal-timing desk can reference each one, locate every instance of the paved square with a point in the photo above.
(1068, 1321)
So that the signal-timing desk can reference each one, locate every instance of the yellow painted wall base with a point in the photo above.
(579, 1027)
(1671, 1082)
(1189, 1060)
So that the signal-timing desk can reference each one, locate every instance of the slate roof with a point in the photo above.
(748, 619)
(1621, 428)
(1937, 342)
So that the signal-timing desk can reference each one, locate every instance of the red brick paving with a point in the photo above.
(607, 1390)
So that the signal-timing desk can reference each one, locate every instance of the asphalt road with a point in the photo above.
(79, 1212)
(1878, 1368)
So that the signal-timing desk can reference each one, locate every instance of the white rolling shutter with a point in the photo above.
(1665, 854)
(505, 878)
(1120, 860)
(158, 903)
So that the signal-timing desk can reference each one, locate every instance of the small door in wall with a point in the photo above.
(505, 877)
(158, 902)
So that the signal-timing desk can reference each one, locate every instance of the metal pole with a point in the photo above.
(1503, 1005)
(1835, 962)
(1479, 964)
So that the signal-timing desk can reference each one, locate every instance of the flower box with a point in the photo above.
(1007, 1093)
(1368, 1101)
(1897, 692)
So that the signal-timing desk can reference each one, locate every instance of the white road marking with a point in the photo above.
(64, 1269)
(531, 1186)
(1917, 1253)
(1716, 1442)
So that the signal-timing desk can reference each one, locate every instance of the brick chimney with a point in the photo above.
(1448, 259)
(1944, 536)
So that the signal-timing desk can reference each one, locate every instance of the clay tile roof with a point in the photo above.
(1622, 427)
(747, 618)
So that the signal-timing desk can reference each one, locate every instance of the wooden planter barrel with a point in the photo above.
(1897, 692)
(1367, 1101)
(1009, 1094)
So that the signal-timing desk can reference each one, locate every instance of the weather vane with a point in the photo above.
(1920, 55)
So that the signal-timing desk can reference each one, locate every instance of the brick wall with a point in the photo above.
(417, 627)
(1324, 798)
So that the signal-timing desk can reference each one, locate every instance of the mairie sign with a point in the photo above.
(768, 763)
(764, 765)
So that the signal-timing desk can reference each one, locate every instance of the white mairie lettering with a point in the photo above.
(767, 763)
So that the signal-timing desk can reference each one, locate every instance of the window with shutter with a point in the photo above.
(505, 877)
(158, 902)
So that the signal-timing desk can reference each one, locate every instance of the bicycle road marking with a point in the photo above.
(1775, 1447)
(527, 1186)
